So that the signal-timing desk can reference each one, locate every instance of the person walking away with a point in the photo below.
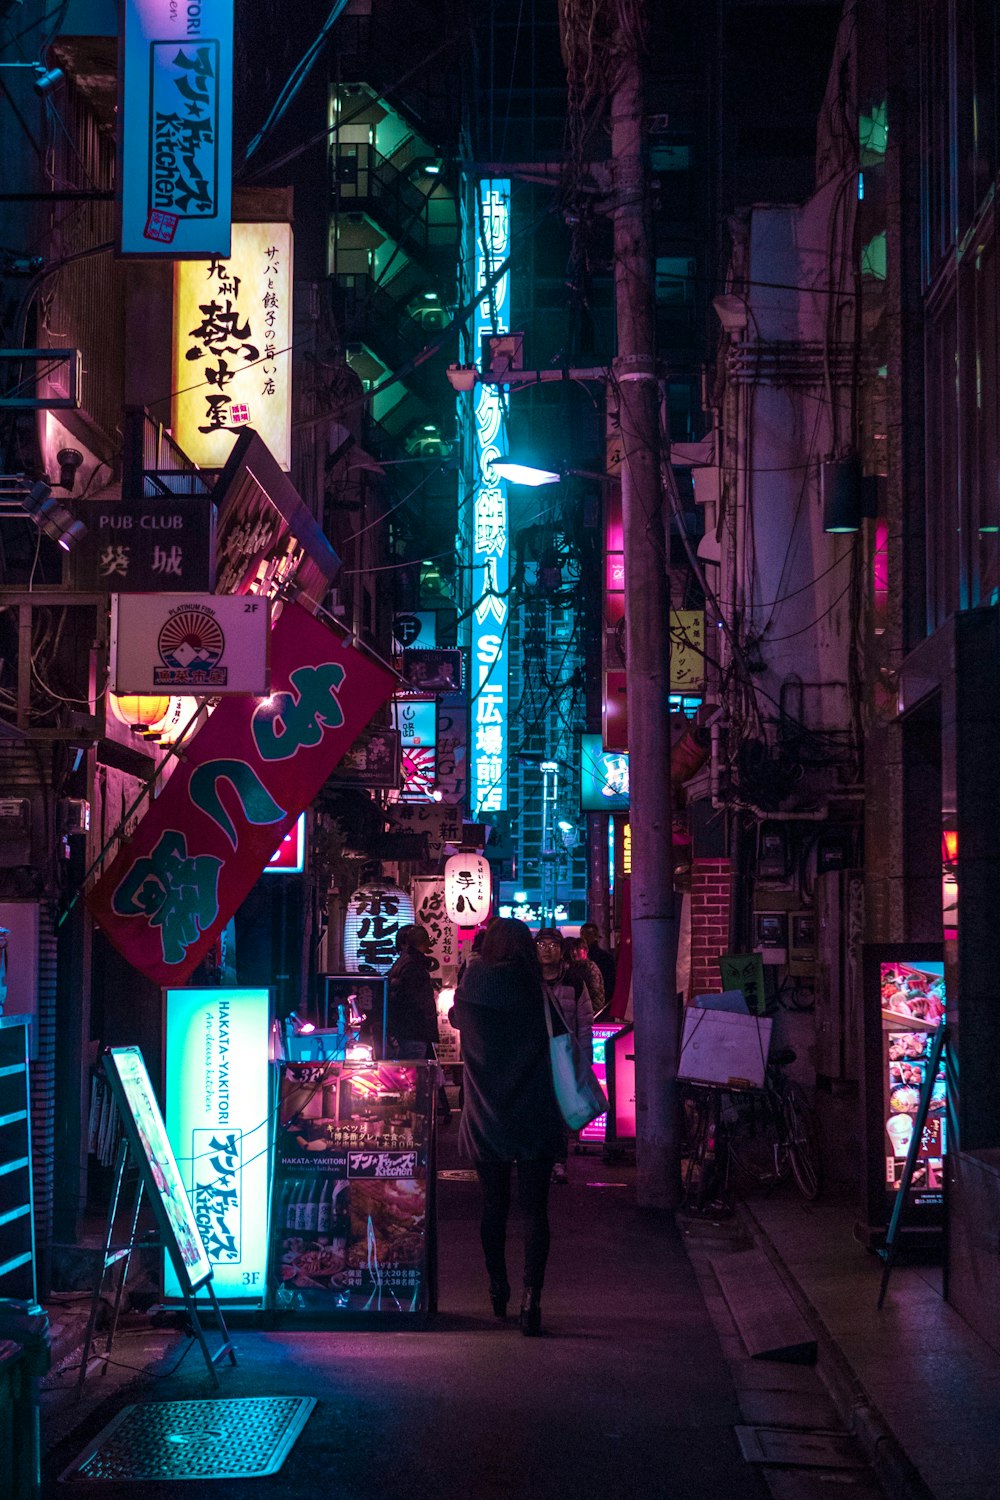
(412, 1012)
(564, 985)
(510, 1113)
(604, 960)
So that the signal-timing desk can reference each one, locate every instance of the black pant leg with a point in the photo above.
(494, 1177)
(533, 1178)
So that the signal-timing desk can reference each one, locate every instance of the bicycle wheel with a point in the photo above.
(756, 1146)
(802, 1136)
(704, 1176)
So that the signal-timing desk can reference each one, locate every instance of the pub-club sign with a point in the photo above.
(246, 776)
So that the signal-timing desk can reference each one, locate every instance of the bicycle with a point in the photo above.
(776, 1132)
(764, 1133)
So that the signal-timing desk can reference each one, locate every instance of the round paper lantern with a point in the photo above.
(176, 720)
(375, 913)
(137, 712)
(467, 889)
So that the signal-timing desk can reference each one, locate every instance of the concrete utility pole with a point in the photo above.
(647, 614)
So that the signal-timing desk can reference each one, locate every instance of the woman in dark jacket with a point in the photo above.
(510, 1112)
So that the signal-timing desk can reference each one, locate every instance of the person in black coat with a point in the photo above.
(510, 1112)
(412, 1014)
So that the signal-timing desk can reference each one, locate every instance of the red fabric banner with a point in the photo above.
(242, 781)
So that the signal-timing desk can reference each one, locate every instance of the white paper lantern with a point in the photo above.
(375, 913)
(467, 889)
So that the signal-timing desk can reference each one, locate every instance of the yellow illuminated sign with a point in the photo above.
(232, 364)
(687, 650)
(627, 849)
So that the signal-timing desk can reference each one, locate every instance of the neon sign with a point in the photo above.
(490, 556)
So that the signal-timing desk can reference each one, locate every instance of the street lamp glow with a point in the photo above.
(527, 474)
(564, 826)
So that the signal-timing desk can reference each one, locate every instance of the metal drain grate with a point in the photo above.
(239, 1439)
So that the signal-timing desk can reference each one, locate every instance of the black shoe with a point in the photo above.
(531, 1313)
(499, 1297)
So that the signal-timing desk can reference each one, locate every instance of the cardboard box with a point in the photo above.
(722, 1047)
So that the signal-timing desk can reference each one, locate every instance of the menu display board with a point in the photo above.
(352, 1218)
(913, 1005)
(146, 1134)
(904, 1003)
(596, 1131)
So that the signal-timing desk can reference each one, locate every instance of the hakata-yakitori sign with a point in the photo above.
(245, 777)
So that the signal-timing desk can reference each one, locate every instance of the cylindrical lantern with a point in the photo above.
(467, 889)
(375, 913)
(176, 720)
(137, 712)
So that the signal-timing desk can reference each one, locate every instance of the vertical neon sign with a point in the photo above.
(490, 556)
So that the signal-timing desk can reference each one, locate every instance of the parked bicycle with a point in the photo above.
(766, 1134)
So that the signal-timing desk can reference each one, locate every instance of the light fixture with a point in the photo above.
(565, 826)
(840, 493)
(46, 79)
(462, 378)
(51, 517)
(299, 1026)
(732, 312)
(526, 474)
(69, 460)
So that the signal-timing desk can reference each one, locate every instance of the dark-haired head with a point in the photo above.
(508, 941)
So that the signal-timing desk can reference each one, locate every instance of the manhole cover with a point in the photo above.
(812, 1450)
(238, 1439)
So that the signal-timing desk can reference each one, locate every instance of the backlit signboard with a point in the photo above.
(597, 1130)
(603, 777)
(175, 126)
(232, 347)
(488, 750)
(204, 645)
(218, 1119)
(150, 1147)
(416, 721)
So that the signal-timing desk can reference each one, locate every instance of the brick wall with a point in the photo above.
(710, 898)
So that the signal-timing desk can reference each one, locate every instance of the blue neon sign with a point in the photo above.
(490, 553)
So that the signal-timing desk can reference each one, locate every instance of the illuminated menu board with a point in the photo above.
(912, 1006)
(597, 1129)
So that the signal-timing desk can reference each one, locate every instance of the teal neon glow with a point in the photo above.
(217, 1116)
(526, 474)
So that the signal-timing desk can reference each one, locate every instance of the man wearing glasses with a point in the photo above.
(566, 989)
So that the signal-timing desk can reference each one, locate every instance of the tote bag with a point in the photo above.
(578, 1092)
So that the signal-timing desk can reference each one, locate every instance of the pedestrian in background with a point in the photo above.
(412, 1010)
(510, 1113)
(604, 960)
(576, 956)
(565, 987)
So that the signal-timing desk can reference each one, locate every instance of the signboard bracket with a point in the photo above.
(121, 1255)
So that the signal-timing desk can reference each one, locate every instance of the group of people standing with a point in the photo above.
(509, 1113)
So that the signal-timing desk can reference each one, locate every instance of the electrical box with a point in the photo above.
(772, 858)
(802, 942)
(770, 936)
(15, 831)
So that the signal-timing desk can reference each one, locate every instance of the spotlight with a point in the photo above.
(46, 79)
(51, 517)
(300, 1027)
(69, 460)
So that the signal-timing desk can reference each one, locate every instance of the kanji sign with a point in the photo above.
(467, 889)
(175, 126)
(203, 644)
(245, 777)
(375, 914)
(429, 912)
(147, 546)
(232, 346)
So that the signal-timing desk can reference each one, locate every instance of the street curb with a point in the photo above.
(896, 1472)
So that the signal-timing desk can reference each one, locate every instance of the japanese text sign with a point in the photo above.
(175, 126)
(489, 668)
(217, 1086)
(204, 644)
(245, 777)
(374, 917)
(467, 889)
(147, 546)
(429, 912)
(232, 346)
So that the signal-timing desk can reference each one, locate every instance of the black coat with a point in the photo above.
(509, 1109)
(412, 1014)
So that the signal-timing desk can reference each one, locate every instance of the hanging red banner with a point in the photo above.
(244, 779)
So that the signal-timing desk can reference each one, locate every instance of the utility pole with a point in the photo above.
(647, 615)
